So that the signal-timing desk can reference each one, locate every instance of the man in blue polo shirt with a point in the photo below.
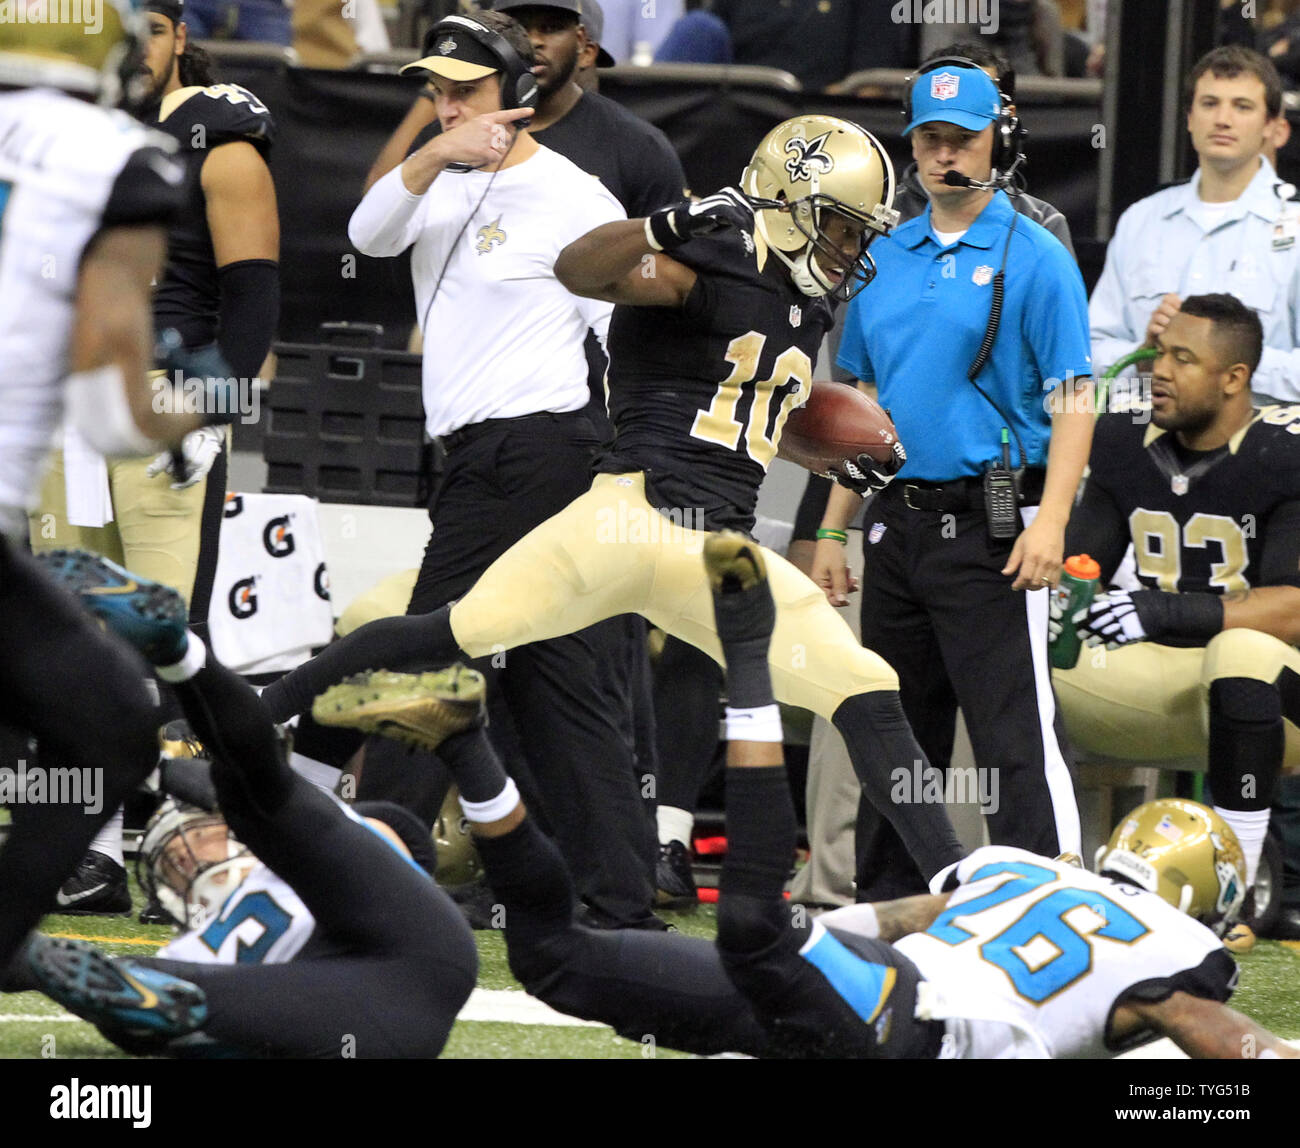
(938, 599)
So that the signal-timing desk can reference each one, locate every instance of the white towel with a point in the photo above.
(85, 479)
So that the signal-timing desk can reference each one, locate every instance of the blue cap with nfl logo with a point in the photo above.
(966, 97)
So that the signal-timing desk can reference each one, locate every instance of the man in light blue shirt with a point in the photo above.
(938, 580)
(1230, 229)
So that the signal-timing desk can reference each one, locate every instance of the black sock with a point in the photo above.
(406, 644)
(745, 619)
(761, 831)
(1247, 743)
(880, 741)
(526, 872)
(475, 765)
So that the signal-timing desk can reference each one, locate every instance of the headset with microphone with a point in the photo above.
(518, 84)
(519, 89)
(1008, 132)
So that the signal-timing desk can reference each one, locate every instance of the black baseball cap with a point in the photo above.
(574, 6)
(593, 19)
(173, 9)
(453, 54)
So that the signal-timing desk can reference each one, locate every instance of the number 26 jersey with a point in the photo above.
(1031, 957)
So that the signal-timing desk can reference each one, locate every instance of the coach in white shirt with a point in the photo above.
(486, 210)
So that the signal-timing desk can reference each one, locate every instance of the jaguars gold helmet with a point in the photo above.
(807, 170)
(458, 859)
(1183, 852)
(87, 47)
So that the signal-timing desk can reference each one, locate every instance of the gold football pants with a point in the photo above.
(1147, 702)
(610, 552)
(156, 532)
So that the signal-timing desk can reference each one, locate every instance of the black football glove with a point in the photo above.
(678, 223)
(865, 475)
(220, 399)
(1121, 617)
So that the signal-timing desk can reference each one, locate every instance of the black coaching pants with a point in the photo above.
(936, 606)
(567, 698)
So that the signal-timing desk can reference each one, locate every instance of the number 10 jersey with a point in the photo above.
(699, 394)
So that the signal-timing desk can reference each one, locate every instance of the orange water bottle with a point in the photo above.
(1072, 593)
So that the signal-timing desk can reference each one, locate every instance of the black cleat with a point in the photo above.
(674, 880)
(742, 600)
(97, 889)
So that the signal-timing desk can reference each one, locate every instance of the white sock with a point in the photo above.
(674, 824)
(322, 776)
(196, 654)
(1251, 829)
(108, 840)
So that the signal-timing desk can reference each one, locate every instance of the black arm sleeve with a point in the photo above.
(1099, 529)
(250, 310)
(1279, 564)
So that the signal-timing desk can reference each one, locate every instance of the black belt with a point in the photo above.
(960, 494)
(467, 434)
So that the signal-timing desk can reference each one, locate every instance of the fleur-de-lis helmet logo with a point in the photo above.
(807, 156)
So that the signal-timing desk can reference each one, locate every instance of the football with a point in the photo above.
(837, 422)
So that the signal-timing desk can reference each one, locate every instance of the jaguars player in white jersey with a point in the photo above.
(310, 932)
(85, 197)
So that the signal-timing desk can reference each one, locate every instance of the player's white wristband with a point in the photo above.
(100, 411)
(762, 723)
(655, 245)
(495, 808)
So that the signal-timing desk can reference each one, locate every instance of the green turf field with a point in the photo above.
(33, 1026)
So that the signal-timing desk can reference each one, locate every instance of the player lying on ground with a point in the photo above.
(1114, 962)
(308, 934)
(738, 300)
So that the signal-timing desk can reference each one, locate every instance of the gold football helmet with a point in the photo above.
(1183, 852)
(90, 48)
(458, 859)
(806, 168)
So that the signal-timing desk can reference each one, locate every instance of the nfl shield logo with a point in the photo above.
(1179, 484)
(876, 533)
(982, 276)
(1168, 830)
(796, 316)
(944, 86)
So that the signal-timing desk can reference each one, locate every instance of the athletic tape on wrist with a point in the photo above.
(763, 723)
(494, 808)
(101, 412)
(650, 235)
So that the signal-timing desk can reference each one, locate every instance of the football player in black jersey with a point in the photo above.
(1202, 659)
(711, 349)
(220, 289)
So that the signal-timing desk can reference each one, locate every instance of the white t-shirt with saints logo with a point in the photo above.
(502, 336)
